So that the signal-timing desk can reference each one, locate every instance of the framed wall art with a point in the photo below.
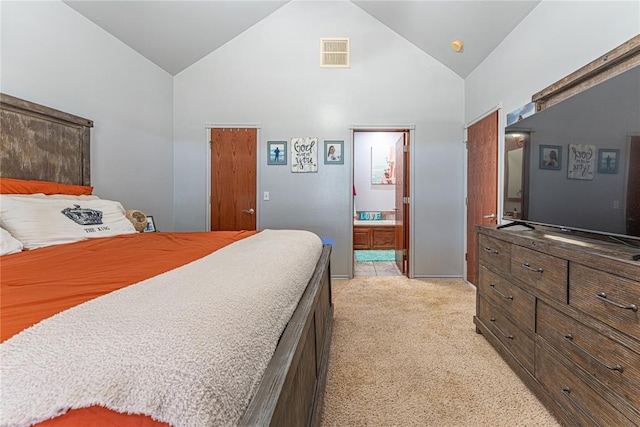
(550, 157)
(582, 161)
(333, 152)
(608, 160)
(383, 165)
(521, 113)
(276, 152)
(304, 154)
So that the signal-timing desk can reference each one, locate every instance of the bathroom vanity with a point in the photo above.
(374, 234)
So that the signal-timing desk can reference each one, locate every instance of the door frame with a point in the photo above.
(259, 154)
(500, 184)
(387, 128)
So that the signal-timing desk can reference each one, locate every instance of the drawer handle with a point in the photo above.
(569, 337)
(535, 270)
(491, 251)
(631, 307)
(507, 336)
(500, 293)
(567, 393)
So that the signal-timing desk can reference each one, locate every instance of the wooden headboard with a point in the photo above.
(41, 143)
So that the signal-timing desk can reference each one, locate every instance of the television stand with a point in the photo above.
(514, 223)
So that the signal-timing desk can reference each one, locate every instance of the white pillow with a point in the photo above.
(8, 243)
(44, 221)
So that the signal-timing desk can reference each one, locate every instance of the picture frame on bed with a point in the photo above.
(151, 225)
(276, 152)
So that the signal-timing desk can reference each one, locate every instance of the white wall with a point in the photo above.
(53, 56)
(372, 197)
(554, 40)
(270, 75)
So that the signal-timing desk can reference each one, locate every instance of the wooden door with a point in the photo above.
(401, 206)
(482, 184)
(633, 189)
(233, 179)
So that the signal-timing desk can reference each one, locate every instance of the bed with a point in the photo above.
(133, 292)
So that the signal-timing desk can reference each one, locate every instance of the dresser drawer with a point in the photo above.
(613, 364)
(516, 303)
(585, 405)
(609, 298)
(509, 335)
(495, 252)
(544, 272)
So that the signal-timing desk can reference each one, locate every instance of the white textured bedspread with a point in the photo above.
(188, 347)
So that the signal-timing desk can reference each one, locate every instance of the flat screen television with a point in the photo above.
(576, 164)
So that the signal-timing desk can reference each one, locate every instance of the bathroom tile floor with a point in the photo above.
(375, 269)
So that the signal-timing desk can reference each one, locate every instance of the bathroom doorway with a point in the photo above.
(381, 202)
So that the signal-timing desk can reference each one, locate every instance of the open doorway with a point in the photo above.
(381, 214)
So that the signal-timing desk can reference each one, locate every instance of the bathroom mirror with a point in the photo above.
(514, 170)
(516, 151)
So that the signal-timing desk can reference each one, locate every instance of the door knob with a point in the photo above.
(248, 211)
(492, 216)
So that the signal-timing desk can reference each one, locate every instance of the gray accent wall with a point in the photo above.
(270, 75)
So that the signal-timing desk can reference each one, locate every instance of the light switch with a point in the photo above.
(266, 195)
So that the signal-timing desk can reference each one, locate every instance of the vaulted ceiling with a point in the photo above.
(175, 34)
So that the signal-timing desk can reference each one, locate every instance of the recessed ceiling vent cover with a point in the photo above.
(334, 52)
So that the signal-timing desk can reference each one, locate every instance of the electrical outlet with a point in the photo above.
(266, 196)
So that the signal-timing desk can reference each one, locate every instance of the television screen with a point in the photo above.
(576, 164)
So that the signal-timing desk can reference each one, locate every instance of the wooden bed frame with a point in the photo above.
(42, 143)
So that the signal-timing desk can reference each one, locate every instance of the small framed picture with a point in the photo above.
(276, 152)
(333, 152)
(608, 160)
(151, 225)
(550, 157)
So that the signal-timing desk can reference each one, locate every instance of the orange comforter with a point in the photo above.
(38, 284)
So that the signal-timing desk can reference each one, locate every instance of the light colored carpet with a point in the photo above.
(375, 255)
(405, 353)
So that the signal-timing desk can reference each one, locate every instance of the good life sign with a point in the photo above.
(304, 154)
(582, 161)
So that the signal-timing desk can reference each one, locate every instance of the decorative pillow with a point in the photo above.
(23, 186)
(38, 222)
(8, 243)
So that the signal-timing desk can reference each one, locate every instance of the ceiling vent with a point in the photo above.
(334, 52)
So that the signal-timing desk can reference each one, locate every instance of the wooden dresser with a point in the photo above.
(563, 312)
